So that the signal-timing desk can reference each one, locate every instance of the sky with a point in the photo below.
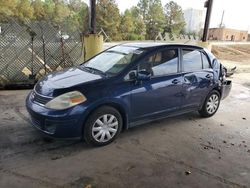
(237, 13)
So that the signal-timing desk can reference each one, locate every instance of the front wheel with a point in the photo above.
(102, 126)
(211, 104)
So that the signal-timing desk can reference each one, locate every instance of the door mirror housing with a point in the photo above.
(143, 75)
(132, 75)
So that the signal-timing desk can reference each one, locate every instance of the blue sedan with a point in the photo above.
(124, 86)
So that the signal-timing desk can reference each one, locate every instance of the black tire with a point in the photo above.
(91, 123)
(204, 111)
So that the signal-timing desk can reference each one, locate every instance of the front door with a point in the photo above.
(161, 94)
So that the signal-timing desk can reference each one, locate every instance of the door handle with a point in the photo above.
(175, 81)
(208, 76)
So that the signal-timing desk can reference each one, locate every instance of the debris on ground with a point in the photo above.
(88, 186)
(244, 118)
(187, 173)
(55, 158)
(222, 124)
(130, 167)
(224, 141)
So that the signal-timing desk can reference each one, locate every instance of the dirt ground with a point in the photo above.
(183, 151)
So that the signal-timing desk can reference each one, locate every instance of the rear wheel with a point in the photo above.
(102, 126)
(211, 104)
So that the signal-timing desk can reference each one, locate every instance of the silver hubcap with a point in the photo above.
(212, 104)
(105, 128)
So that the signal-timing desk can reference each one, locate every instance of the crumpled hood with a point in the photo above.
(64, 79)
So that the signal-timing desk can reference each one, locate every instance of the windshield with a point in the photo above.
(114, 60)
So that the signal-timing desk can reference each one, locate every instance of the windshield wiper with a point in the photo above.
(93, 70)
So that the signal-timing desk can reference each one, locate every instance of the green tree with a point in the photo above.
(49, 8)
(38, 7)
(84, 18)
(61, 12)
(77, 20)
(156, 19)
(127, 26)
(108, 18)
(7, 8)
(153, 16)
(143, 6)
(175, 22)
(24, 10)
(76, 5)
(139, 24)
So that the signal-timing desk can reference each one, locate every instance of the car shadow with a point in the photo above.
(58, 149)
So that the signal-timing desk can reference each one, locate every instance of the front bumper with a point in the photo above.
(57, 123)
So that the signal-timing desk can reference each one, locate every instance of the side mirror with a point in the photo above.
(132, 75)
(143, 75)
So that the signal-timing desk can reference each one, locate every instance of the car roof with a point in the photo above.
(158, 44)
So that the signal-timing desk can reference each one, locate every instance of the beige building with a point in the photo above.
(225, 34)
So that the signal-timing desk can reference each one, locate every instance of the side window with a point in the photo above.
(161, 63)
(205, 61)
(191, 60)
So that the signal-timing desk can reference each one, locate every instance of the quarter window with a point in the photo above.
(161, 63)
(191, 60)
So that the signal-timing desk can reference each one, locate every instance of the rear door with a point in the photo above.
(197, 77)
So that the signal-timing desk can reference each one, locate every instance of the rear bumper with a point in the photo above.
(225, 89)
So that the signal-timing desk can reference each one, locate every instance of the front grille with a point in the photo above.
(40, 99)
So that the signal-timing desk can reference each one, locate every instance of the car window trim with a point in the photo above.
(208, 59)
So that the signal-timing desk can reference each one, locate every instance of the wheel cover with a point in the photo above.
(105, 128)
(212, 103)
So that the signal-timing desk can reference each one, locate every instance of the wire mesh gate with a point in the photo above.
(32, 49)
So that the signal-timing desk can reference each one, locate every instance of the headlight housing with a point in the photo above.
(66, 100)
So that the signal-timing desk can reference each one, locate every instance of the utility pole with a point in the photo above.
(93, 42)
(222, 17)
(208, 4)
(92, 16)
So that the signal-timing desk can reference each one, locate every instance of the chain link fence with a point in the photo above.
(32, 49)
